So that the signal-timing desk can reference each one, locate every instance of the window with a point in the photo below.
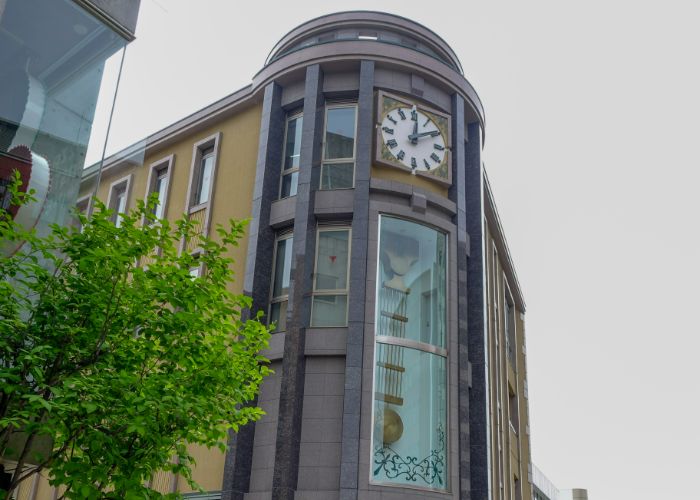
(118, 194)
(513, 409)
(279, 291)
(329, 306)
(338, 167)
(158, 182)
(204, 173)
(292, 150)
(82, 206)
(510, 329)
(410, 357)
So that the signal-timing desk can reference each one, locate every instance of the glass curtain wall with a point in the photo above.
(410, 368)
(52, 60)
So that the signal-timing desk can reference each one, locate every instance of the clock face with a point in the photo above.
(413, 138)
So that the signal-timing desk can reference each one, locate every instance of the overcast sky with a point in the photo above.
(592, 120)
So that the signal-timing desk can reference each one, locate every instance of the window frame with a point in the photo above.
(85, 201)
(336, 291)
(285, 235)
(111, 199)
(335, 161)
(292, 116)
(198, 149)
(167, 164)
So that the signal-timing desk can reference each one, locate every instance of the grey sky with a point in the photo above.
(592, 119)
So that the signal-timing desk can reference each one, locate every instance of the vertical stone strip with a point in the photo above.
(476, 310)
(286, 470)
(349, 461)
(256, 282)
(457, 194)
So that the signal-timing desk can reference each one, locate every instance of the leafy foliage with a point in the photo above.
(116, 363)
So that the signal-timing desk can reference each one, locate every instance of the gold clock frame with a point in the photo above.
(386, 102)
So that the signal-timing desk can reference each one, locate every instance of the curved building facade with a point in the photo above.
(376, 250)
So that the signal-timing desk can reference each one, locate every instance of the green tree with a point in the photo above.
(113, 365)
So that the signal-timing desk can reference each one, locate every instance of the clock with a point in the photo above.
(414, 138)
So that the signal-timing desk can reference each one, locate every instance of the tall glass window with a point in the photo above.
(409, 443)
(161, 187)
(292, 153)
(117, 199)
(206, 167)
(329, 306)
(279, 292)
(338, 167)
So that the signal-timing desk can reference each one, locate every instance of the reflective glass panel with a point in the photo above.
(340, 133)
(289, 184)
(410, 378)
(337, 175)
(278, 315)
(205, 179)
(329, 310)
(410, 418)
(292, 147)
(411, 282)
(161, 187)
(52, 65)
(332, 260)
(283, 266)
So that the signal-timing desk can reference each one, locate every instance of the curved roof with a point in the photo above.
(366, 25)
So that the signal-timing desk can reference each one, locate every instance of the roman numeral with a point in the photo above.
(400, 155)
(427, 165)
(426, 122)
(388, 130)
(414, 115)
(435, 157)
(413, 162)
(402, 114)
(392, 143)
(391, 119)
(438, 147)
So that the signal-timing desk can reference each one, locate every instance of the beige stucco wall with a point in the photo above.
(232, 198)
(512, 460)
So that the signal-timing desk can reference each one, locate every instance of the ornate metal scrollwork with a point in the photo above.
(429, 469)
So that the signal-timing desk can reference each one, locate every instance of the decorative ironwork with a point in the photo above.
(429, 469)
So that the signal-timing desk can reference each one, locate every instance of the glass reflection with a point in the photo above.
(52, 59)
(410, 379)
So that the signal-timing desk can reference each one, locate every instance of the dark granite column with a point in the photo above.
(457, 194)
(349, 460)
(256, 283)
(286, 470)
(478, 394)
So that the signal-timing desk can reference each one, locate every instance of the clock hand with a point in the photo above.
(414, 137)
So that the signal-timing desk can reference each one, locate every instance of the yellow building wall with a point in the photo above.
(231, 198)
(510, 447)
(398, 175)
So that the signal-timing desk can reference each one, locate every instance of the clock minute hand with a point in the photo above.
(414, 136)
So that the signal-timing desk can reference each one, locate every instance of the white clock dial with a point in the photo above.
(413, 138)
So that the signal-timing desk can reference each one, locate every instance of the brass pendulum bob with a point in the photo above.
(393, 426)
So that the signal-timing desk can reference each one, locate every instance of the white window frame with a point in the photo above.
(286, 235)
(338, 291)
(85, 201)
(166, 163)
(283, 172)
(353, 159)
(126, 182)
(213, 141)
